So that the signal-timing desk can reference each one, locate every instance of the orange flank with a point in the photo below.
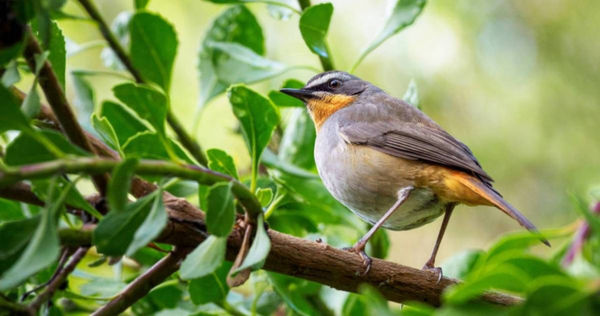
(324, 107)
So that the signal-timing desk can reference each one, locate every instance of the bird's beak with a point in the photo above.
(301, 94)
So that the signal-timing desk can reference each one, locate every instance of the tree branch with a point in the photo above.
(60, 278)
(144, 283)
(57, 100)
(186, 140)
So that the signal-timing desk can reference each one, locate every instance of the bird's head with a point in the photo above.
(328, 92)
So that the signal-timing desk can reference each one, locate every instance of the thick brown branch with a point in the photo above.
(186, 139)
(58, 101)
(144, 283)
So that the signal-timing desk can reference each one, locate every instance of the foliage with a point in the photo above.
(281, 190)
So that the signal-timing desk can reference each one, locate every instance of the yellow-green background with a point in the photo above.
(517, 81)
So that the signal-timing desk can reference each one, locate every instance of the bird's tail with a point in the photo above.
(496, 200)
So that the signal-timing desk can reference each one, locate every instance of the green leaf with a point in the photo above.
(153, 47)
(379, 244)
(220, 161)
(205, 259)
(10, 53)
(25, 150)
(106, 131)
(211, 288)
(220, 212)
(148, 103)
(503, 277)
(11, 74)
(258, 118)
(15, 236)
(85, 100)
(461, 264)
(583, 210)
(284, 100)
(10, 210)
(31, 104)
(119, 185)
(123, 122)
(405, 13)
(44, 245)
(151, 227)
(58, 53)
(261, 245)
(140, 4)
(264, 196)
(235, 25)
(411, 96)
(11, 117)
(148, 145)
(271, 160)
(237, 63)
(314, 24)
(73, 198)
(116, 230)
(297, 144)
(297, 294)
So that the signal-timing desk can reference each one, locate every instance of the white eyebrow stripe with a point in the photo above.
(326, 78)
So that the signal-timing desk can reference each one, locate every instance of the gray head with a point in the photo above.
(329, 84)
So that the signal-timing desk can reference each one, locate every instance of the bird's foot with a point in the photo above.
(359, 249)
(437, 271)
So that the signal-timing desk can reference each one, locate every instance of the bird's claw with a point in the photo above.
(367, 261)
(437, 271)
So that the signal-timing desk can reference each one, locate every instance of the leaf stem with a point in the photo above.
(274, 204)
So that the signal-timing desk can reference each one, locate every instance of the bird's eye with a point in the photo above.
(335, 83)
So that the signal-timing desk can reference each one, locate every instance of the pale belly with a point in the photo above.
(367, 181)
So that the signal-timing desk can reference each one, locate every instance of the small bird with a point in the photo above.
(390, 163)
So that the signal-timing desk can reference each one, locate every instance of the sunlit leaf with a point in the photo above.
(58, 53)
(220, 161)
(148, 103)
(106, 131)
(123, 122)
(151, 227)
(205, 259)
(220, 212)
(264, 196)
(314, 24)
(153, 47)
(11, 117)
(148, 145)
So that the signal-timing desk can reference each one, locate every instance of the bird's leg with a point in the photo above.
(359, 247)
(430, 264)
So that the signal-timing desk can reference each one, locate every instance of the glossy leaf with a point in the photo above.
(58, 53)
(405, 13)
(297, 144)
(148, 103)
(220, 212)
(153, 47)
(44, 246)
(259, 250)
(116, 230)
(205, 259)
(211, 288)
(106, 131)
(119, 185)
(264, 196)
(148, 145)
(151, 227)
(220, 161)
(11, 117)
(123, 122)
(85, 100)
(26, 150)
(258, 118)
(235, 25)
(314, 24)
(237, 63)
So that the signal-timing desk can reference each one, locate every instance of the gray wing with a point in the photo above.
(415, 141)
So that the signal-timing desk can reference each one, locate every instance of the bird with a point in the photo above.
(391, 164)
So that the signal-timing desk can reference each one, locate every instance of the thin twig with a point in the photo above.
(186, 139)
(144, 283)
(66, 253)
(59, 279)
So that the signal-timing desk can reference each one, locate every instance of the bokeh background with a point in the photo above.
(517, 81)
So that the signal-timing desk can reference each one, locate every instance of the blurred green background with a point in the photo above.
(517, 81)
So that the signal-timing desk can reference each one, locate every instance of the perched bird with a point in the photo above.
(390, 163)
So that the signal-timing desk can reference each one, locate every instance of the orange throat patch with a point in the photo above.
(321, 109)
